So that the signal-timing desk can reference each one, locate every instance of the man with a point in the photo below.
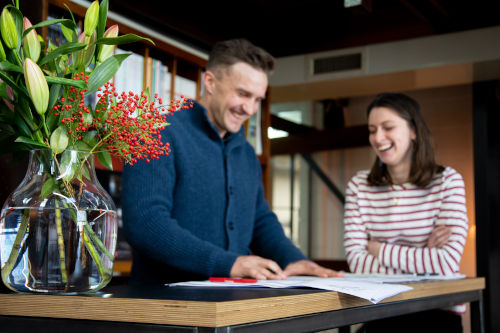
(201, 211)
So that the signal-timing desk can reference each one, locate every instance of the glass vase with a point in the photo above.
(58, 229)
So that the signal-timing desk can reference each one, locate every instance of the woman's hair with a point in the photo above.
(229, 52)
(423, 165)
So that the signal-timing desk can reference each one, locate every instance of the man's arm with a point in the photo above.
(269, 241)
(148, 190)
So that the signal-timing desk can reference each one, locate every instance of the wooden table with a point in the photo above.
(188, 309)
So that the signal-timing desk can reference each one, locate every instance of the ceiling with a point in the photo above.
(286, 28)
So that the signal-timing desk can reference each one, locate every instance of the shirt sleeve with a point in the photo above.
(356, 235)
(148, 190)
(445, 260)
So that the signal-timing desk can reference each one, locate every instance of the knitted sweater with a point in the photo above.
(402, 218)
(189, 215)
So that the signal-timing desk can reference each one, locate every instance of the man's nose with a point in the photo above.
(250, 107)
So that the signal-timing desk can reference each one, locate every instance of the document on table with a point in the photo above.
(401, 278)
(373, 292)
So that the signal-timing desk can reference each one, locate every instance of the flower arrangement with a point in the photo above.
(44, 92)
(43, 106)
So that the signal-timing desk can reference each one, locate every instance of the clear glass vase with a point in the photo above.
(58, 229)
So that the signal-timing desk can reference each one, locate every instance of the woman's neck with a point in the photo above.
(399, 173)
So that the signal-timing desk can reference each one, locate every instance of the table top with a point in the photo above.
(207, 307)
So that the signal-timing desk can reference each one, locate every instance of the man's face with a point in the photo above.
(234, 96)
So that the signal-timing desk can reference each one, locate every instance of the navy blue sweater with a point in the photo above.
(189, 215)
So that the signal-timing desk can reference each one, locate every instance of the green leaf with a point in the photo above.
(125, 39)
(67, 23)
(55, 92)
(68, 33)
(105, 71)
(82, 146)
(13, 85)
(22, 126)
(105, 158)
(103, 15)
(90, 138)
(52, 121)
(67, 82)
(3, 90)
(22, 139)
(68, 165)
(64, 49)
(86, 172)
(59, 140)
(48, 187)
(8, 67)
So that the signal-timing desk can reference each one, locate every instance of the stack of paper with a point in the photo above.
(371, 291)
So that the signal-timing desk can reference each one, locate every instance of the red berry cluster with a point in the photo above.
(126, 125)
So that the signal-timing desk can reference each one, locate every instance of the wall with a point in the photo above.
(473, 46)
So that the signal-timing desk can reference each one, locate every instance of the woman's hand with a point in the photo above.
(439, 236)
(373, 247)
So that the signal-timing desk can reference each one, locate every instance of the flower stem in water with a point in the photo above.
(60, 243)
(14, 252)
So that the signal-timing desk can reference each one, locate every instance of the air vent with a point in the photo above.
(337, 63)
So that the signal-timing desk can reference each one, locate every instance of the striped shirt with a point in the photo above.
(402, 218)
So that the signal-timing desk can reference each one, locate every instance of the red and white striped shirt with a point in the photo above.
(402, 218)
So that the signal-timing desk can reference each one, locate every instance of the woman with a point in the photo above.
(407, 214)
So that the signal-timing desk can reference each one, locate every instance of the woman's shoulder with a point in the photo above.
(360, 178)
(450, 173)
(448, 177)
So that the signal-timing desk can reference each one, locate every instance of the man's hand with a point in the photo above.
(439, 236)
(373, 248)
(307, 267)
(257, 267)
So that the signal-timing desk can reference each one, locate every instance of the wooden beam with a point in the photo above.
(124, 29)
(349, 137)
(424, 78)
(290, 127)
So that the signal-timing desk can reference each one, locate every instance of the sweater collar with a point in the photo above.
(229, 140)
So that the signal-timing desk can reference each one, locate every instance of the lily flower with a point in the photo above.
(106, 50)
(8, 29)
(37, 86)
(91, 18)
(31, 46)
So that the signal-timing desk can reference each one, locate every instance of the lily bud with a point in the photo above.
(90, 49)
(31, 46)
(8, 29)
(91, 18)
(106, 50)
(2, 52)
(78, 55)
(36, 83)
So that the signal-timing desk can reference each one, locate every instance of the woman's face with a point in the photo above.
(391, 137)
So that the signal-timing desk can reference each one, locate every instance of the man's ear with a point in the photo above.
(209, 81)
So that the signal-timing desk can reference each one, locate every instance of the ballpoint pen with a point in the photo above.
(227, 279)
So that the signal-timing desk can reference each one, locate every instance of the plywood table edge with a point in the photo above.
(208, 314)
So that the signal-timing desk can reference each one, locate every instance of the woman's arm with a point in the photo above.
(452, 215)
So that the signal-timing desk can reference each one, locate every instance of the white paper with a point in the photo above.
(373, 292)
(400, 278)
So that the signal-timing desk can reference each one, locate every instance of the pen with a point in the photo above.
(226, 279)
(427, 274)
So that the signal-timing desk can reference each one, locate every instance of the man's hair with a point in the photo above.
(423, 165)
(229, 52)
